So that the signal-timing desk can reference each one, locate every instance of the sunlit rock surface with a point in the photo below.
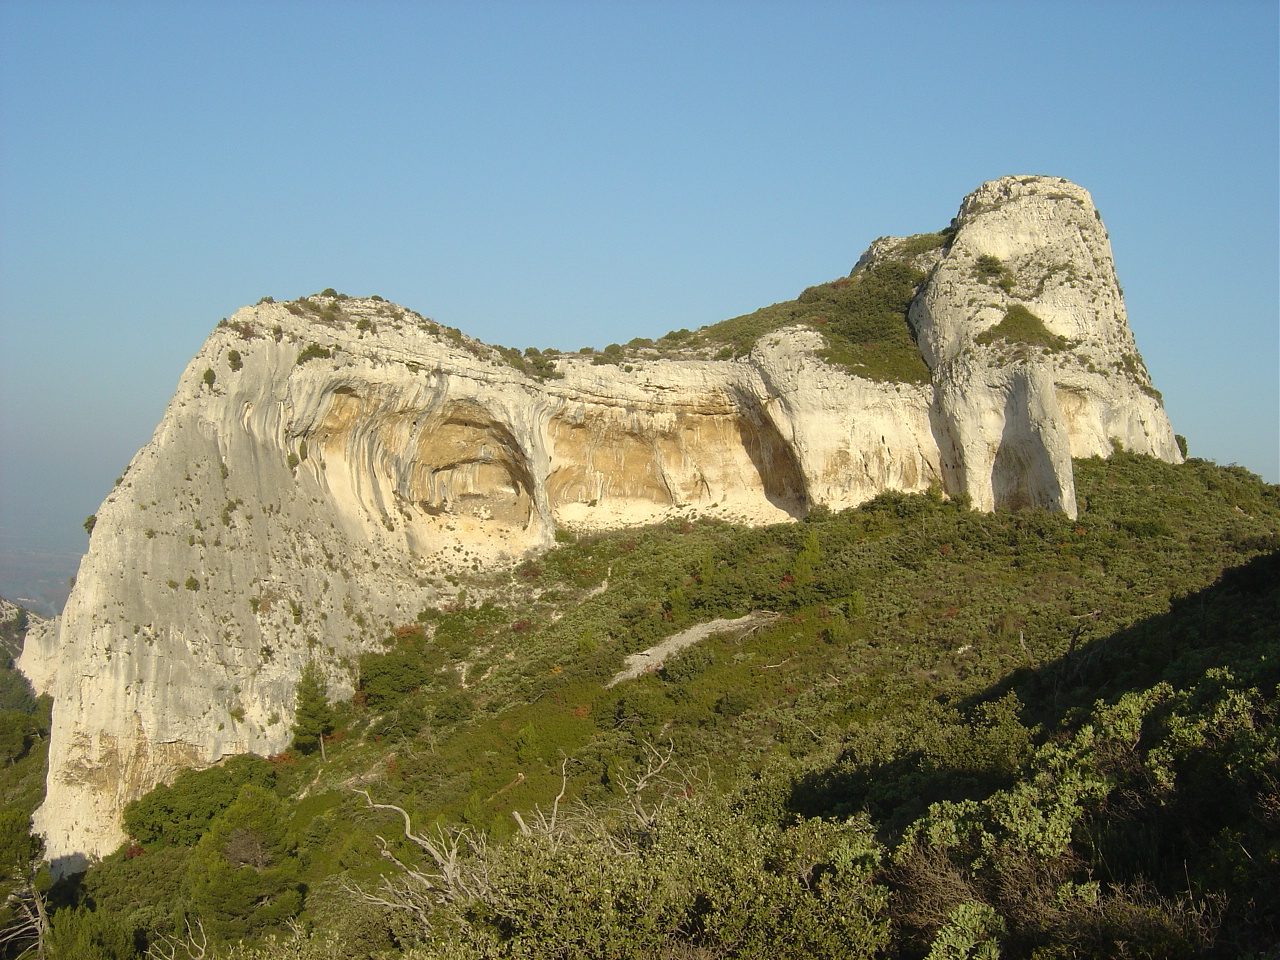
(294, 505)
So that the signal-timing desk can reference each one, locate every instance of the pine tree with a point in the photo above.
(807, 559)
(313, 717)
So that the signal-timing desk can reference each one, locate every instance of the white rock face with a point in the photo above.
(287, 511)
(1009, 417)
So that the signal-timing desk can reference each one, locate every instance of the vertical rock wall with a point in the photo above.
(1010, 414)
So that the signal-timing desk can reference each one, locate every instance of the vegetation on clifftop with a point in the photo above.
(862, 317)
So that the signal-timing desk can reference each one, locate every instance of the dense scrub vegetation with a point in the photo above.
(1021, 326)
(955, 735)
(862, 317)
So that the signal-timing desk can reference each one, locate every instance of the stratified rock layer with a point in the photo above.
(323, 464)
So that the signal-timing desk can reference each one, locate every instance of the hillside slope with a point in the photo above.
(953, 731)
(326, 466)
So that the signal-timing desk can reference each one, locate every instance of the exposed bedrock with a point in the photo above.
(324, 464)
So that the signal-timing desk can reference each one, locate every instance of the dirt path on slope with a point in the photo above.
(652, 659)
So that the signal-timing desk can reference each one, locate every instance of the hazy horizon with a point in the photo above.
(568, 174)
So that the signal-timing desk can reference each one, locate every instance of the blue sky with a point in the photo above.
(577, 173)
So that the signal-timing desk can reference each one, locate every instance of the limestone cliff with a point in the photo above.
(14, 623)
(324, 463)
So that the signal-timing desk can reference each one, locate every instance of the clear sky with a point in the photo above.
(567, 174)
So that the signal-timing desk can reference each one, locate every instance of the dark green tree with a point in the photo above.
(18, 848)
(313, 716)
(16, 733)
(181, 812)
(84, 934)
(807, 559)
(16, 693)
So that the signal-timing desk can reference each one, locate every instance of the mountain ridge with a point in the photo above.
(328, 466)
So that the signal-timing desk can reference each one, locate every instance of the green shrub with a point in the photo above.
(455, 708)
(688, 664)
(697, 882)
(83, 934)
(386, 678)
(313, 351)
(924, 242)
(987, 267)
(1020, 325)
(862, 318)
(734, 703)
(181, 813)
(991, 270)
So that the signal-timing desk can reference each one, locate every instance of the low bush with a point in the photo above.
(312, 351)
(1021, 326)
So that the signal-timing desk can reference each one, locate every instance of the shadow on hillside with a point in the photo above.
(1234, 624)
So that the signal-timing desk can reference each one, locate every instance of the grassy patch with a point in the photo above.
(862, 318)
(1021, 326)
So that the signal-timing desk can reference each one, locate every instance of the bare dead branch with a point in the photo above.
(455, 878)
(656, 761)
(519, 779)
(542, 823)
(194, 946)
(31, 922)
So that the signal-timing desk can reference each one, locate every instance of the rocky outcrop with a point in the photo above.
(1010, 412)
(14, 623)
(325, 463)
